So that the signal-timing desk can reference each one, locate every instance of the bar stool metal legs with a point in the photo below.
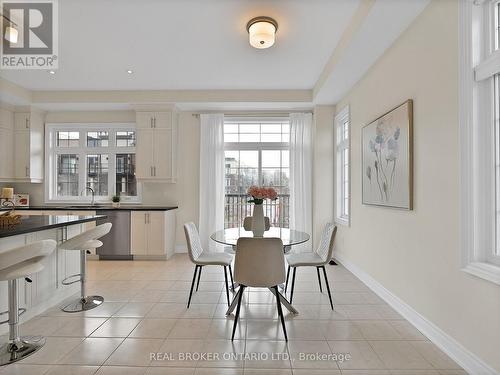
(85, 302)
(18, 347)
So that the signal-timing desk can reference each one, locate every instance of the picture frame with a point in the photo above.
(387, 159)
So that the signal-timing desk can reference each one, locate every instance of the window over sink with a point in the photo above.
(97, 156)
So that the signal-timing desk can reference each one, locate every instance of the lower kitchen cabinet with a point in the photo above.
(152, 234)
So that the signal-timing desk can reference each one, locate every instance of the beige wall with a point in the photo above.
(322, 169)
(415, 254)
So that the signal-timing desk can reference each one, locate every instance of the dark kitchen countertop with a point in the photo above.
(38, 223)
(97, 208)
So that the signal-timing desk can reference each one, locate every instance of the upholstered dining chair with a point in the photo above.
(318, 259)
(259, 263)
(247, 223)
(201, 258)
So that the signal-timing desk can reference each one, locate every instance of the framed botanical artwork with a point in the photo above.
(387, 156)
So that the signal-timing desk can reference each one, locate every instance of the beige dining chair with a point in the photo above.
(318, 259)
(201, 258)
(247, 223)
(259, 263)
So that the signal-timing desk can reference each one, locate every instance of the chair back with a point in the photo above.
(193, 241)
(84, 241)
(325, 248)
(35, 251)
(247, 223)
(259, 262)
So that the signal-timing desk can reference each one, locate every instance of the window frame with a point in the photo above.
(51, 152)
(342, 141)
(257, 146)
(479, 183)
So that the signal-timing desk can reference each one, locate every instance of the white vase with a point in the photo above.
(258, 224)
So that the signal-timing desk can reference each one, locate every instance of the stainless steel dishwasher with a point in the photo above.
(116, 244)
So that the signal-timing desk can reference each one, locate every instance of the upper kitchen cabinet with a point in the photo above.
(6, 144)
(156, 146)
(28, 146)
(155, 120)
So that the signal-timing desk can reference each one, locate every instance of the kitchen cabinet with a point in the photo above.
(6, 144)
(6, 154)
(152, 234)
(156, 147)
(28, 146)
(155, 120)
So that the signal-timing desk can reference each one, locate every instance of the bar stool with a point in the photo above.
(82, 243)
(18, 263)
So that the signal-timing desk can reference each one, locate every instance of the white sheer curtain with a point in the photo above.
(211, 178)
(301, 176)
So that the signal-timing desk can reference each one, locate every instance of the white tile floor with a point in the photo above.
(145, 312)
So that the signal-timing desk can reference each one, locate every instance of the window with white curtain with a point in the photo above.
(342, 169)
(256, 153)
(480, 138)
(97, 156)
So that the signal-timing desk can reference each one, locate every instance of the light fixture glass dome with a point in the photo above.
(262, 32)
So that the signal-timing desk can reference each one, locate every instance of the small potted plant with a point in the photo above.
(116, 201)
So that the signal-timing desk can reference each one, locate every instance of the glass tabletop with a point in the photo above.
(289, 237)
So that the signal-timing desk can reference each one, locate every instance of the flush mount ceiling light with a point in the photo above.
(262, 32)
(11, 33)
(130, 71)
(52, 72)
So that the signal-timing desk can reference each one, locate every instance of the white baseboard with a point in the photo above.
(181, 249)
(456, 351)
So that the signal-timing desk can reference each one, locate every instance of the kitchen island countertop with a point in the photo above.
(38, 223)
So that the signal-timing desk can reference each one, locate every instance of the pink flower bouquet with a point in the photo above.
(260, 193)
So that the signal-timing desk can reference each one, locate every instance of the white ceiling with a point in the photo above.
(199, 45)
(194, 44)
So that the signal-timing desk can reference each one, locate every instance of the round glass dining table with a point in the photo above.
(290, 237)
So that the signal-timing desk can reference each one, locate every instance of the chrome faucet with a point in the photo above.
(93, 194)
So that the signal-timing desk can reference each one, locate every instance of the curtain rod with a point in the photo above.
(251, 114)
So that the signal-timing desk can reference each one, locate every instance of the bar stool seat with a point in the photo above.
(16, 264)
(83, 243)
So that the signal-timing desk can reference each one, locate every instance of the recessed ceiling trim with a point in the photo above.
(172, 96)
(353, 27)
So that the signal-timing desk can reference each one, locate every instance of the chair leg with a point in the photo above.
(327, 286)
(319, 280)
(199, 277)
(280, 311)
(287, 275)
(293, 284)
(192, 285)
(240, 291)
(231, 275)
(227, 287)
